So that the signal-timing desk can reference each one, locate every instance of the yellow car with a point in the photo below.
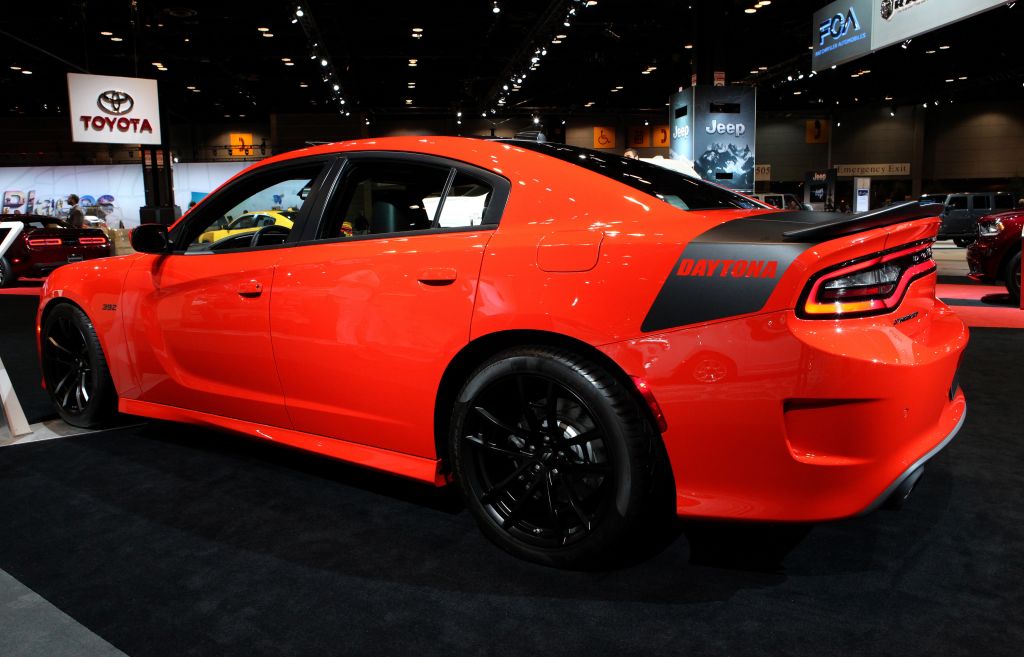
(250, 223)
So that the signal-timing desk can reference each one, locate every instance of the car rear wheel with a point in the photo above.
(554, 456)
(1012, 276)
(6, 275)
(75, 369)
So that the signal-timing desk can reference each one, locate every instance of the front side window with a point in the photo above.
(980, 202)
(1004, 202)
(957, 203)
(257, 211)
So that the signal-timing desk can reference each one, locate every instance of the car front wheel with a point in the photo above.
(6, 275)
(554, 456)
(75, 369)
(1013, 278)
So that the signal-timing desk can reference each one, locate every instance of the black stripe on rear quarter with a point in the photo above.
(742, 279)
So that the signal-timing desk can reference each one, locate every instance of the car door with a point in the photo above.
(957, 214)
(981, 204)
(198, 320)
(367, 315)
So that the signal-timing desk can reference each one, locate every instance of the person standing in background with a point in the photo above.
(76, 217)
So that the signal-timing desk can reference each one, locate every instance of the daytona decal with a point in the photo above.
(730, 270)
(734, 268)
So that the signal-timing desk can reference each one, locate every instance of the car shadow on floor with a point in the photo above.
(253, 498)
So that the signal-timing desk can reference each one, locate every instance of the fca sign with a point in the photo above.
(838, 26)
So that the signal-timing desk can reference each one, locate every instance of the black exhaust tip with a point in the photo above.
(903, 491)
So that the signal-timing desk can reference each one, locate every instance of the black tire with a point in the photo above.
(569, 497)
(7, 276)
(1012, 277)
(75, 369)
(963, 241)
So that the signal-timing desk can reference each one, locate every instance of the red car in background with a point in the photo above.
(47, 243)
(995, 255)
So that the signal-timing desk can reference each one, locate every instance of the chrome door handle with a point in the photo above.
(438, 276)
(250, 289)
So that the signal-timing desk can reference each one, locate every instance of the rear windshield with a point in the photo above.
(674, 188)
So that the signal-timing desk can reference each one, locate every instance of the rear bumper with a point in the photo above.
(909, 477)
(776, 418)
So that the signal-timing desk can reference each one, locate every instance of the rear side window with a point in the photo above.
(674, 188)
(1004, 202)
(957, 203)
(465, 204)
(381, 197)
(980, 202)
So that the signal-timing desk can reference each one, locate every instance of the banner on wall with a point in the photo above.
(111, 193)
(862, 194)
(113, 110)
(681, 124)
(723, 135)
(194, 180)
(898, 20)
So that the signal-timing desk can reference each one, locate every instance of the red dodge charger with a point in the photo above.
(564, 334)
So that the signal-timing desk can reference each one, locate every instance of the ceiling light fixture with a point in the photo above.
(323, 62)
(116, 39)
(495, 8)
(262, 29)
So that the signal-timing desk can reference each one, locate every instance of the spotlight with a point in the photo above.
(495, 8)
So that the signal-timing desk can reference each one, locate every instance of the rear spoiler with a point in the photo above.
(834, 224)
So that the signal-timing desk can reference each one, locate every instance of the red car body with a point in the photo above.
(995, 255)
(771, 405)
(47, 243)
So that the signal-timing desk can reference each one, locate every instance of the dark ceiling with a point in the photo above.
(221, 62)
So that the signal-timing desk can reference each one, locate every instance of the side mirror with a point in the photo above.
(150, 238)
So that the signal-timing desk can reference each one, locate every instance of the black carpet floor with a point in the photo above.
(19, 353)
(173, 540)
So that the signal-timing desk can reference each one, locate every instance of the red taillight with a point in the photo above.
(92, 240)
(652, 403)
(45, 241)
(867, 286)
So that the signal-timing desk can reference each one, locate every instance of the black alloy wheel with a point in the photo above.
(554, 456)
(1013, 278)
(6, 275)
(75, 369)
